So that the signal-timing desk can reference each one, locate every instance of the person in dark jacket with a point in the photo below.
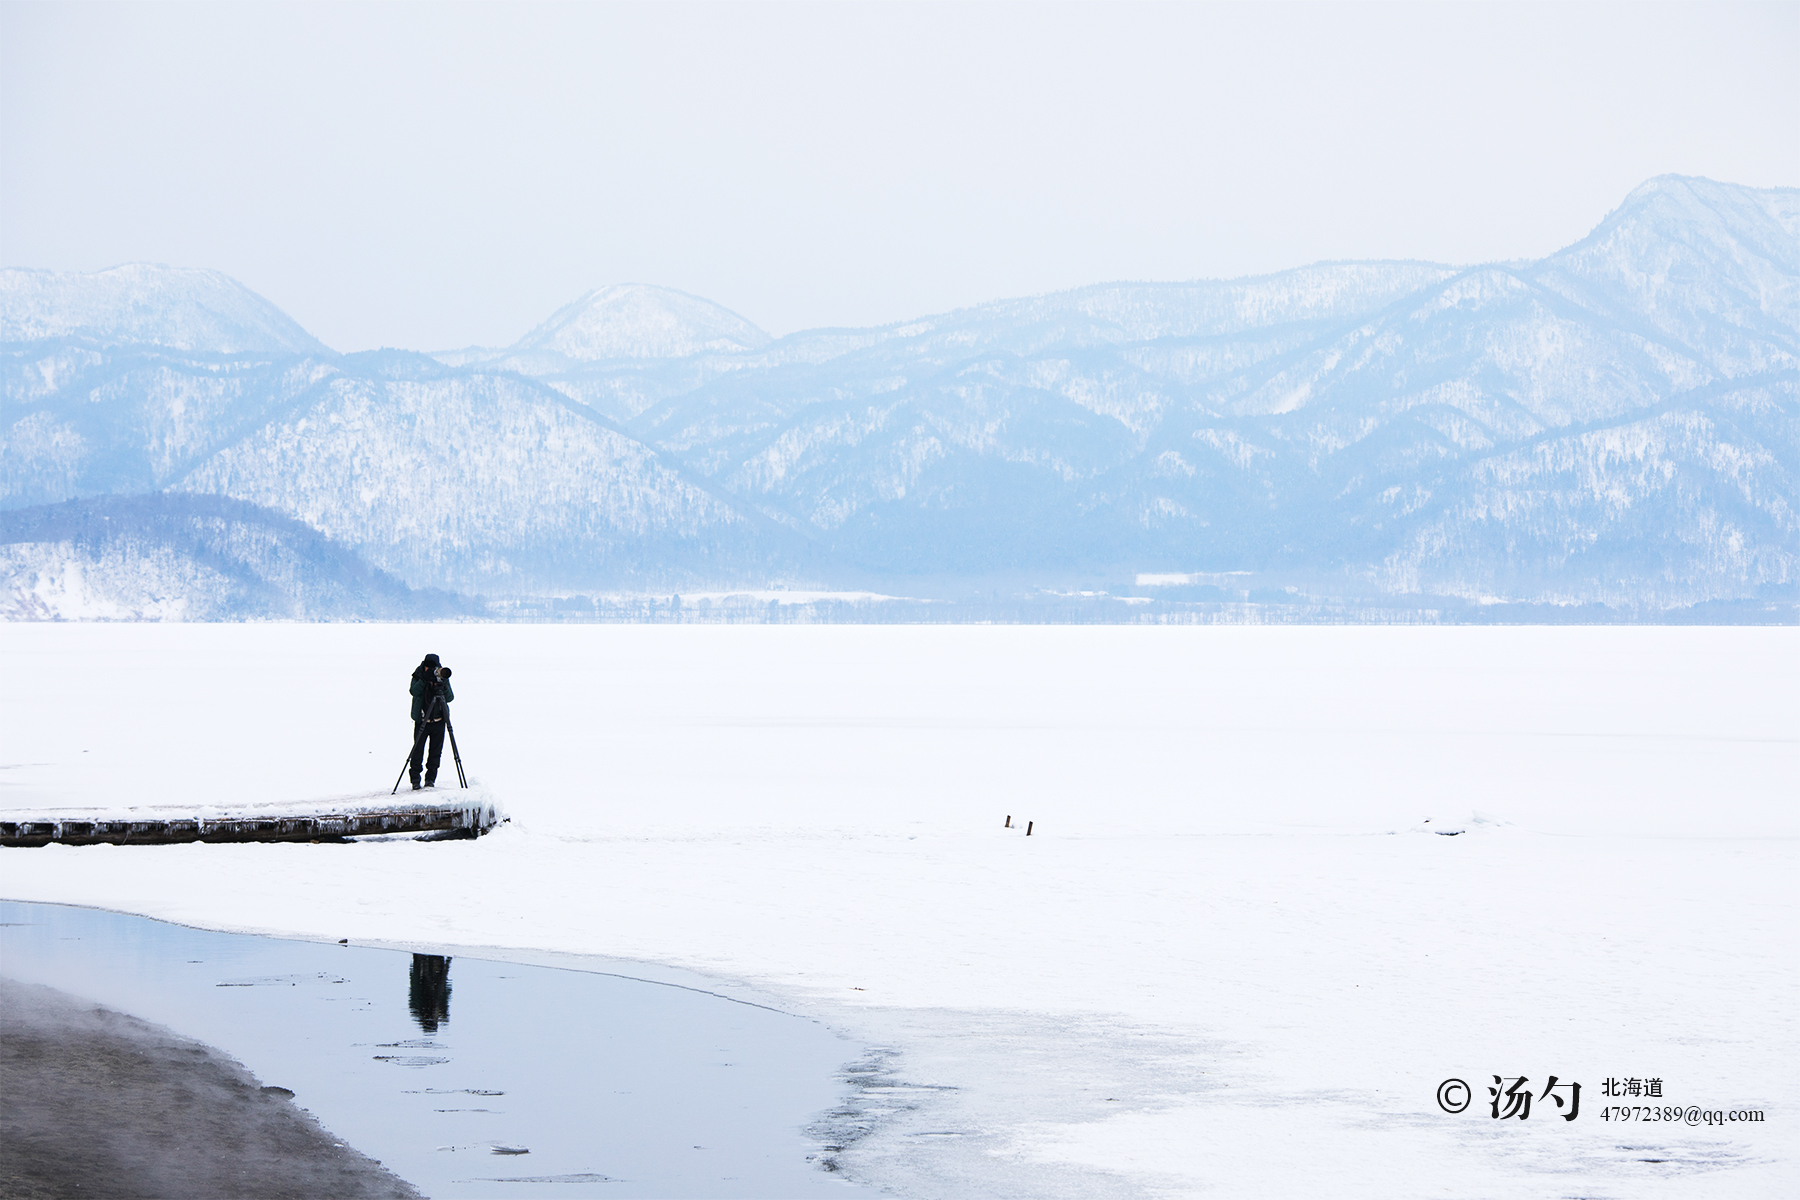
(431, 694)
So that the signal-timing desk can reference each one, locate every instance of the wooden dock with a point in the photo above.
(466, 819)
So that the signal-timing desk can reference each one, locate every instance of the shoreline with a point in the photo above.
(97, 1101)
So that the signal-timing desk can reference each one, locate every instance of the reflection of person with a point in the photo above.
(431, 693)
(428, 994)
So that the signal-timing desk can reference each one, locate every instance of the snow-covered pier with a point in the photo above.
(469, 817)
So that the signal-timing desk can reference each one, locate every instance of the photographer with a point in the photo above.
(431, 693)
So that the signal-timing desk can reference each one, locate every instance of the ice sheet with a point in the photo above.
(1233, 958)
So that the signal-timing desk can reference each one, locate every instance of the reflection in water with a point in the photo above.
(340, 1026)
(429, 994)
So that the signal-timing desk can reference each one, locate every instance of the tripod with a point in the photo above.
(418, 747)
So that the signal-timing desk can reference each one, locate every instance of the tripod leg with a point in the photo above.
(454, 752)
(404, 765)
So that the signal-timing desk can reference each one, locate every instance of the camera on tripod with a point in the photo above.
(436, 709)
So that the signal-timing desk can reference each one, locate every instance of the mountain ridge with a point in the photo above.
(1617, 423)
(134, 304)
(163, 556)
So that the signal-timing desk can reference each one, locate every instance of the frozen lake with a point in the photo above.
(1233, 958)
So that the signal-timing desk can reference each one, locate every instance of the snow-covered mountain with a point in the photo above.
(1706, 266)
(146, 304)
(85, 420)
(638, 321)
(480, 482)
(602, 348)
(195, 558)
(1411, 425)
(1617, 423)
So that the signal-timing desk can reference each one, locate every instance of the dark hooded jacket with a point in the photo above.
(425, 686)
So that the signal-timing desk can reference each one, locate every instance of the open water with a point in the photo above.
(474, 1078)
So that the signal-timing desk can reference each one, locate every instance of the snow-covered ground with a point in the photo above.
(1232, 959)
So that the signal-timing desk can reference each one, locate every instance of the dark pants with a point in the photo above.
(426, 731)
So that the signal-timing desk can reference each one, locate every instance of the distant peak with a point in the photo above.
(640, 320)
(182, 308)
(1664, 183)
(1728, 210)
(1687, 190)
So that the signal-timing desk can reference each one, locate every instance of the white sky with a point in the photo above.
(437, 175)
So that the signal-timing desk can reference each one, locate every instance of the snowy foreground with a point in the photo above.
(1233, 959)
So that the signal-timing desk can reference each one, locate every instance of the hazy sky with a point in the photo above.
(432, 175)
